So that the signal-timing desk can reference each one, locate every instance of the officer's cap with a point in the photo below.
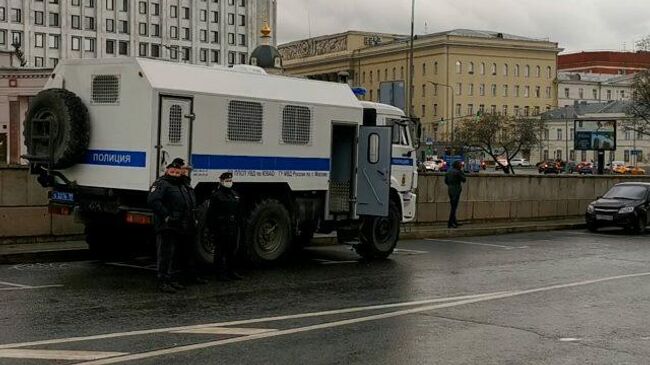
(226, 175)
(177, 163)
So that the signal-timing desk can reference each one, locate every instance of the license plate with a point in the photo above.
(62, 196)
(604, 218)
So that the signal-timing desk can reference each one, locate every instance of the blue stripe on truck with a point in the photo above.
(221, 162)
(116, 158)
(402, 161)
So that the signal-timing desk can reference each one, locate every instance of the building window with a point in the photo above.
(548, 92)
(435, 110)
(457, 112)
(494, 90)
(424, 69)
(505, 110)
(187, 35)
(581, 93)
(567, 93)
(470, 89)
(231, 38)
(110, 25)
(481, 89)
(242, 39)
(53, 62)
(242, 20)
(481, 68)
(628, 134)
(75, 22)
(110, 4)
(609, 94)
(626, 155)
(516, 110)
(186, 13)
(493, 109)
(53, 41)
(526, 91)
(505, 90)
(203, 15)
(517, 70)
(470, 109)
(517, 90)
(173, 11)
(214, 36)
(215, 16)
(424, 110)
(16, 16)
(424, 89)
(155, 50)
(527, 71)
(231, 19)
(203, 55)
(459, 67)
(142, 7)
(549, 72)
(155, 30)
(89, 23)
(243, 59)
(142, 28)
(559, 134)
(538, 91)
(76, 43)
(110, 46)
(39, 18)
(143, 49)
(459, 88)
(89, 44)
(505, 69)
(39, 40)
(173, 32)
(186, 54)
(39, 62)
(155, 9)
(470, 68)
(594, 93)
(123, 48)
(494, 69)
(124, 26)
(538, 71)
(435, 68)
(214, 56)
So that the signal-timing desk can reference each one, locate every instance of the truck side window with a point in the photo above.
(175, 124)
(245, 121)
(373, 148)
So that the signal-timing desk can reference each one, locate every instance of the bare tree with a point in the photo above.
(639, 109)
(501, 137)
(643, 44)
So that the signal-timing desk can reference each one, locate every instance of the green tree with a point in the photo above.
(500, 137)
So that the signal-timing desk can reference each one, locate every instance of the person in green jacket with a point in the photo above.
(454, 180)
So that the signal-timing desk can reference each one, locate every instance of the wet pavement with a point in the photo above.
(564, 297)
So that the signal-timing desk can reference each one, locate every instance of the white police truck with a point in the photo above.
(307, 156)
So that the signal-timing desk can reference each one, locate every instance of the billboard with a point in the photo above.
(392, 93)
(594, 135)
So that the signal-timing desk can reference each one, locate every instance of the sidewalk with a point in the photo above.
(78, 250)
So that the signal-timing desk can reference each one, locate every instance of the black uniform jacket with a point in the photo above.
(223, 214)
(173, 203)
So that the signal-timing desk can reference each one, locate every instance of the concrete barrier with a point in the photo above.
(23, 208)
(514, 198)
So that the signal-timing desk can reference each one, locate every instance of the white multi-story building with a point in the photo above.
(196, 31)
(592, 88)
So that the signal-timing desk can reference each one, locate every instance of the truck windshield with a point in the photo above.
(400, 132)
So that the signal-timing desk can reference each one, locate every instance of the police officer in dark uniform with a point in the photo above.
(223, 218)
(173, 206)
(454, 178)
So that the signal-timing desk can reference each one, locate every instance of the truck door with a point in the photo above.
(373, 171)
(175, 131)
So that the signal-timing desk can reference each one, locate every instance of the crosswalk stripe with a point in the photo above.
(57, 354)
(227, 331)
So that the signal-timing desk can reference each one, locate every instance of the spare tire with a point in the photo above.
(59, 116)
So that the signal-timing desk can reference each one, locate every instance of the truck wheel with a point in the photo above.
(379, 235)
(204, 240)
(267, 234)
(68, 127)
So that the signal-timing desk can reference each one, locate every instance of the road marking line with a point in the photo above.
(57, 354)
(334, 262)
(375, 317)
(227, 331)
(409, 252)
(132, 266)
(242, 322)
(569, 339)
(479, 244)
(32, 287)
(14, 284)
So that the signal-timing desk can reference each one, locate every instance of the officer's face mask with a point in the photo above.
(227, 184)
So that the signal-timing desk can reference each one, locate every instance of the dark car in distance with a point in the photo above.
(549, 167)
(625, 205)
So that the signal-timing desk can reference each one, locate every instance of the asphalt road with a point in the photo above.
(568, 297)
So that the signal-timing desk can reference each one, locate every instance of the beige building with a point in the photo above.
(460, 72)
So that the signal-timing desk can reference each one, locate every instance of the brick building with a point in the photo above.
(604, 62)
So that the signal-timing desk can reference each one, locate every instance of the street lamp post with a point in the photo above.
(452, 104)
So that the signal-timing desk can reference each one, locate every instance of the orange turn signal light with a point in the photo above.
(138, 218)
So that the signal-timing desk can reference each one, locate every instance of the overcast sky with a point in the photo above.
(575, 24)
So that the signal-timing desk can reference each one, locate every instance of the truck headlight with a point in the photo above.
(590, 209)
(626, 210)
